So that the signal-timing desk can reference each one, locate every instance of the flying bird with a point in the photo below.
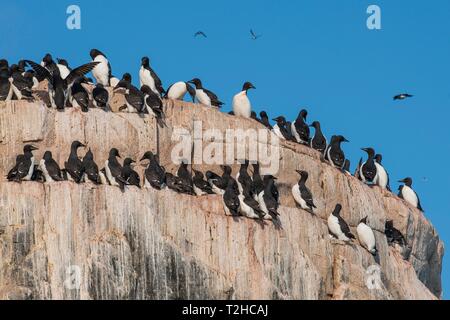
(403, 96)
(254, 35)
(200, 33)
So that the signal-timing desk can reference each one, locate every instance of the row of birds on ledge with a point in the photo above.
(255, 197)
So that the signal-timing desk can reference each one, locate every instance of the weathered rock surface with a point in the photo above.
(145, 244)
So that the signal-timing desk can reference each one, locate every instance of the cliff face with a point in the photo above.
(145, 244)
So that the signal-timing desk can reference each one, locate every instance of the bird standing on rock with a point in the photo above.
(154, 105)
(299, 129)
(90, 168)
(134, 98)
(334, 153)
(366, 236)
(149, 78)
(50, 168)
(204, 96)
(74, 166)
(408, 194)
(113, 169)
(302, 195)
(178, 90)
(241, 104)
(318, 141)
(100, 97)
(338, 227)
(368, 170)
(154, 175)
(102, 71)
(382, 177)
(201, 187)
(24, 167)
(129, 176)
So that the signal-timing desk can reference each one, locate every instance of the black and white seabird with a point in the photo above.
(318, 141)
(302, 195)
(24, 167)
(265, 120)
(408, 194)
(280, 129)
(220, 183)
(382, 178)
(243, 178)
(79, 97)
(269, 199)
(113, 169)
(334, 153)
(175, 183)
(184, 174)
(204, 96)
(129, 176)
(178, 90)
(21, 84)
(74, 166)
(257, 181)
(299, 129)
(201, 187)
(368, 170)
(338, 227)
(241, 103)
(149, 78)
(393, 235)
(403, 96)
(366, 236)
(154, 105)
(60, 89)
(102, 71)
(90, 169)
(254, 116)
(154, 175)
(200, 33)
(254, 35)
(48, 63)
(248, 206)
(231, 203)
(134, 98)
(100, 97)
(50, 168)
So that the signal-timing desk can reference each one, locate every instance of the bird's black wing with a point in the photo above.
(135, 98)
(81, 71)
(53, 170)
(158, 82)
(41, 72)
(75, 169)
(307, 196)
(419, 206)
(345, 228)
(214, 99)
(400, 193)
(338, 158)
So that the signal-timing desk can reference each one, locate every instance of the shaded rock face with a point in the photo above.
(69, 241)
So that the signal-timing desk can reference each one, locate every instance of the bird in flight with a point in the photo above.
(254, 35)
(403, 96)
(200, 33)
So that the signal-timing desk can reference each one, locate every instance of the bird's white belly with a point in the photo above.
(298, 198)
(103, 179)
(263, 207)
(366, 236)
(410, 196)
(109, 175)
(101, 71)
(277, 132)
(246, 210)
(382, 178)
(202, 97)
(177, 91)
(241, 105)
(63, 71)
(295, 133)
(199, 192)
(146, 79)
(30, 170)
(47, 177)
(335, 229)
(241, 189)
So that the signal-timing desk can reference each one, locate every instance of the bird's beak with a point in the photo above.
(34, 148)
(142, 159)
(401, 181)
(298, 171)
(364, 149)
(132, 161)
(252, 87)
(345, 140)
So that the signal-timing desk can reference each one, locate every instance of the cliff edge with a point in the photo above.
(148, 244)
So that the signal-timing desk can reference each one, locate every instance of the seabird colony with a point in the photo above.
(253, 196)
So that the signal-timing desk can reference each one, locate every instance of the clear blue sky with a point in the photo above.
(313, 53)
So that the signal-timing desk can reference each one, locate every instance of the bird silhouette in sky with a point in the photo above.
(403, 96)
(200, 33)
(254, 35)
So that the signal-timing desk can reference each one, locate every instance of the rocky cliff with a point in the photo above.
(145, 244)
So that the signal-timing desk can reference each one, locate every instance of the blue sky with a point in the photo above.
(315, 53)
